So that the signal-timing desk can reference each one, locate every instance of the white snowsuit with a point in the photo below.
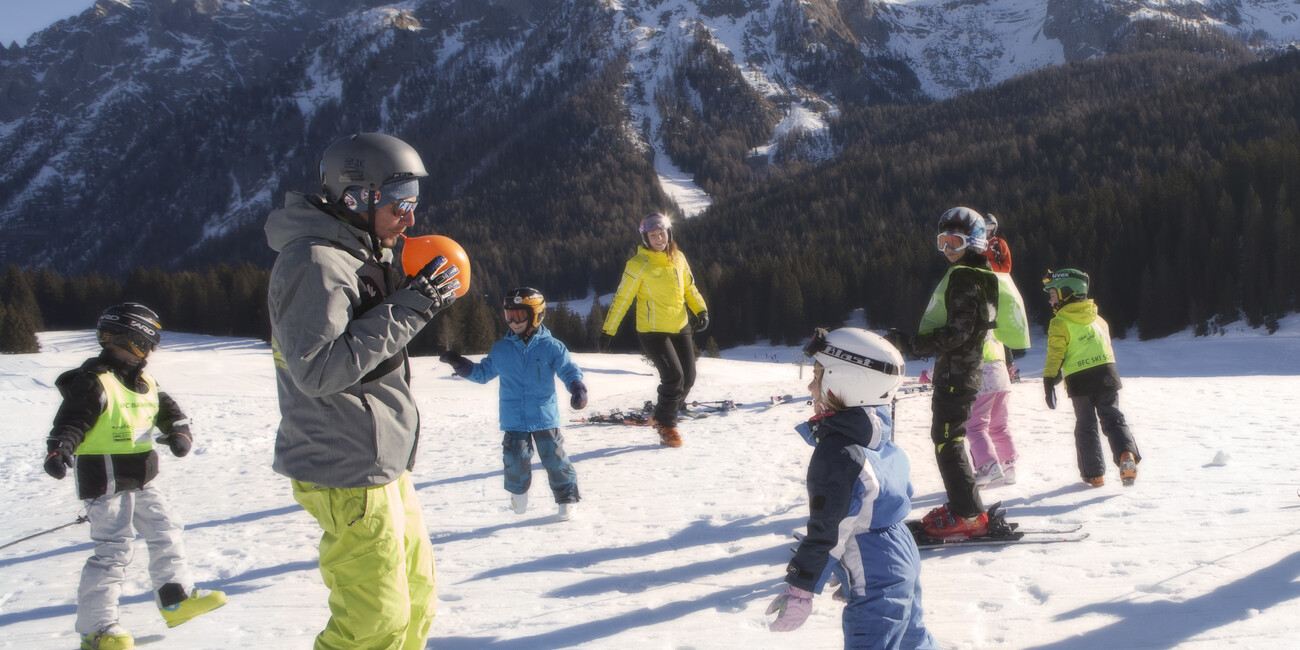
(114, 520)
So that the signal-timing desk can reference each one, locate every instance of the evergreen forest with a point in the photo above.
(1169, 172)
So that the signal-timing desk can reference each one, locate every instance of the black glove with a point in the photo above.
(702, 319)
(437, 287)
(898, 339)
(1018, 354)
(179, 440)
(460, 364)
(603, 344)
(59, 458)
(578, 395)
(1049, 390)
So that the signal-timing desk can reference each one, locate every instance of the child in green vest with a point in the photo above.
(1078, 345)
(962, 311)
(105, 431)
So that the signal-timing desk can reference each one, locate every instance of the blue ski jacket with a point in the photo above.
(527, 370)
(858, 482)
(859, 495)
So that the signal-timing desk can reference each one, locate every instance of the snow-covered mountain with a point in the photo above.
(160, 131)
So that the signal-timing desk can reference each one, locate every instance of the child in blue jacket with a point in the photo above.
(859, 494)
(528, 359)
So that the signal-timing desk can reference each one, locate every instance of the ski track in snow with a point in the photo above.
(685, 548)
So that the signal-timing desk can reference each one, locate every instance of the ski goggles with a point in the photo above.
(516, 315)
(406, 206)
(818, 345)
(952, 241)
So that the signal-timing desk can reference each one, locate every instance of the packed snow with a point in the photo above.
(685, 548)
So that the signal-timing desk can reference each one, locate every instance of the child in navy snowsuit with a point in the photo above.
(527, 360)
(859, 494)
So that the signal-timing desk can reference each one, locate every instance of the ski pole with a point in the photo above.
(80, 520)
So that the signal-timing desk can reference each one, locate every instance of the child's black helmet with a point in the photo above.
(527, 298)
(130, 326)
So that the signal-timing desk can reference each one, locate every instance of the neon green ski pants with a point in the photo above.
(377, 562)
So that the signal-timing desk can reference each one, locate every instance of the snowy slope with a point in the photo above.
(685, 548)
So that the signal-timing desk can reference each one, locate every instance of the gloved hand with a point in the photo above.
(59, 458)
(603, 344)
(702, 319)
(179, 440)
(898, 339)
(577, 395)
(1049, 390)
(1018, 354)
(437, 287)
(458, 363)
(834, 583)
(792, 608)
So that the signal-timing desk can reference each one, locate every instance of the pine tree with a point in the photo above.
(16, 292)
(16, 333)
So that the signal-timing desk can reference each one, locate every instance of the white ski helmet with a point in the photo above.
(861, 368)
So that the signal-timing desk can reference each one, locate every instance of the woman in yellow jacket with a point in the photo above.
(660, 281)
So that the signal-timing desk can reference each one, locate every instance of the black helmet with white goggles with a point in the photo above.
(861, 368)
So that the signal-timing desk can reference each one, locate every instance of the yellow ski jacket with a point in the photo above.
(663, 288)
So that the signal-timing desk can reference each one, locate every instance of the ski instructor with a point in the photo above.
(669, 309)
(341, 316)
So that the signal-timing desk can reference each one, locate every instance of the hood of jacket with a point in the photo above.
(299, 218)
(1082, 312)
(868, 426)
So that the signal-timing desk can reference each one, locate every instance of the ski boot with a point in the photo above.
(567, 510)
(519, 502)
(200, 601)
(1128, 469)
(668, 436)
(110, 637)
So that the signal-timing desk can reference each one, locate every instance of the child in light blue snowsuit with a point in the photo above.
(527, 360)
(859, 494)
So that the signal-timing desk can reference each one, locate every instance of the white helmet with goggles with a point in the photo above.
(861, 368)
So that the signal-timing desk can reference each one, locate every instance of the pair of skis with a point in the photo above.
(1001, 533)
(641, 416)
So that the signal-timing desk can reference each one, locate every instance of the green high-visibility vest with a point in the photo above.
(127, 424)
(1011, 325)
(1089, 346)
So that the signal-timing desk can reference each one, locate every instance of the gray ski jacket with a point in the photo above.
(339, 329)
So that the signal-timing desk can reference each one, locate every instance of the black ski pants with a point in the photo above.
(1088, 410)
(674, 358)
(950, 410)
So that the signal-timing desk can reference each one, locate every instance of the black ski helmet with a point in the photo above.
(527, 298)
(130, 326)
(368, 161)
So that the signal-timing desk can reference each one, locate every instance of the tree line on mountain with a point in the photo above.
(1168, 173)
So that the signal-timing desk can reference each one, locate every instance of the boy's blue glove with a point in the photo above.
(179, 440)
(59, 458)
(578, 395)
(460, 364)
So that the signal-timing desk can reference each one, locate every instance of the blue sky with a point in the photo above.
(22, 18)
